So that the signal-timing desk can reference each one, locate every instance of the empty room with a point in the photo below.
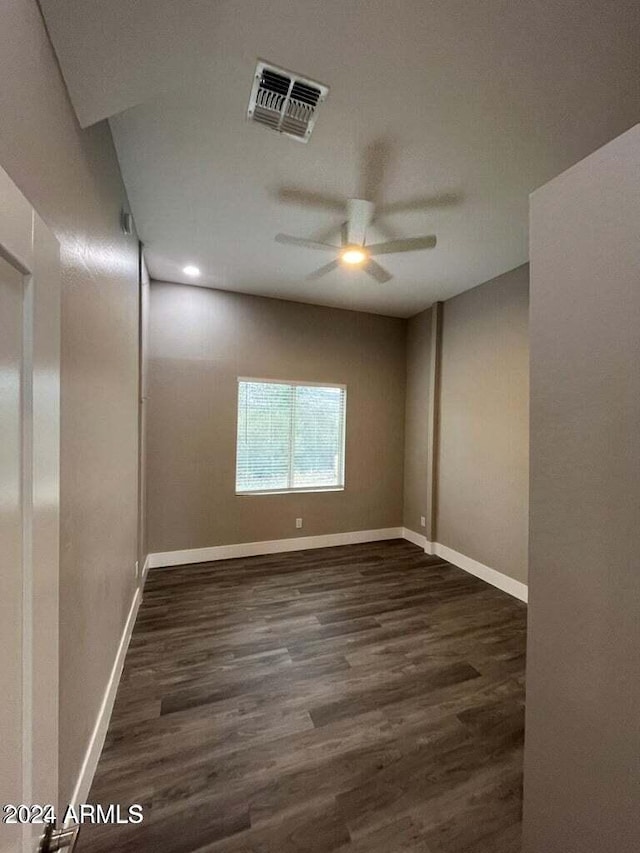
(319, 406)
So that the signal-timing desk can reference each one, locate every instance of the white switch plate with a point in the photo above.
(423, 521)
(298, 523)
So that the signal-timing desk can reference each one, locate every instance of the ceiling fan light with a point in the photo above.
(353, 256)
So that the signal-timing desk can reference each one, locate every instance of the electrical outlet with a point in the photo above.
(423, 521)
(298, 523)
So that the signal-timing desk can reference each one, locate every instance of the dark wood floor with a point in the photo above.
(360, 699)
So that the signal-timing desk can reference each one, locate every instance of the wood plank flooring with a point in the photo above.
(359, 699)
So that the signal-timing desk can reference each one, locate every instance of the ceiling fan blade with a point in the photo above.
(359, 215)
(417, 203)
(327, 268)
(376, 271)
(308, 198)
(410, 244)
(304, 243)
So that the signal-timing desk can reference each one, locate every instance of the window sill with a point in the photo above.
(291, 491)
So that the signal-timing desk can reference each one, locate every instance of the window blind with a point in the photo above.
(290, 436)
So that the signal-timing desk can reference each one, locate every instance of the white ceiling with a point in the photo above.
(463, 107)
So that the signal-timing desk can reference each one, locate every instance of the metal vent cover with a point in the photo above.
(284, 101)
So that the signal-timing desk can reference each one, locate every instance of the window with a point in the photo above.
(290, 437)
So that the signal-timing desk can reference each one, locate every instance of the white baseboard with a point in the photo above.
(271, 546)
(485, 573)
(276, 546)
(417, 539)
(145, 569)
(96, 742)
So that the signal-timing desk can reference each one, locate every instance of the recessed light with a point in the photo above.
(192, 271)
(354, 255)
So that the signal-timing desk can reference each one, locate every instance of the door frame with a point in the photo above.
(28, 245)
(143, 335)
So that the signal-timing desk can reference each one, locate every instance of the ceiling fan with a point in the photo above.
(354, 250)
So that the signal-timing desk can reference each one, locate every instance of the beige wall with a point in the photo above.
(481, 464)
(417, 407)
(73, 181)
(201, 340)
(204, 339)
(483, 479)
(582, 771)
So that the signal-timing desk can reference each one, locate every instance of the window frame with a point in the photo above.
(343, 439)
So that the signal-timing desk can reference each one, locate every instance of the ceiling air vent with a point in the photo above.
(284, 101)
